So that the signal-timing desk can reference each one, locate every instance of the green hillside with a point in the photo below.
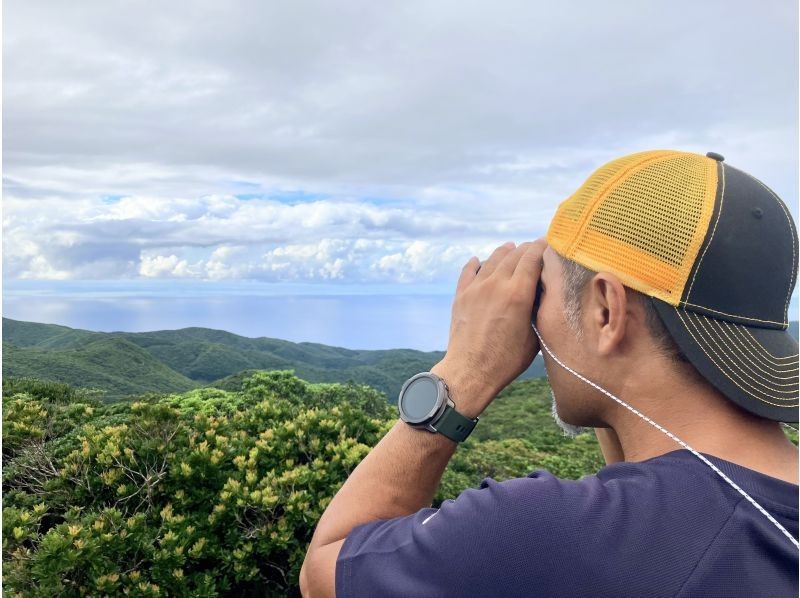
(44, 336)
(112, 364)
(191, 356)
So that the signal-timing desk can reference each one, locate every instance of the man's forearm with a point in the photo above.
(398, 477)
(401, 474)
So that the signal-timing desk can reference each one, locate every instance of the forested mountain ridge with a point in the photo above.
(187, 358)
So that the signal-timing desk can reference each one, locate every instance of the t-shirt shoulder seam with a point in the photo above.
(761, 495)
(678, 461)
(710, 544)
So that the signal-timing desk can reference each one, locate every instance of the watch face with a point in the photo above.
(419, 400)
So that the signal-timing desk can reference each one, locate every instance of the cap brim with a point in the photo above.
(756, 368)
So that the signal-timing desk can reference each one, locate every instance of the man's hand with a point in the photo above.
(491, 339)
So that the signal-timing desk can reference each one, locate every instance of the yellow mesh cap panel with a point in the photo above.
(569, 215)
(643, 219)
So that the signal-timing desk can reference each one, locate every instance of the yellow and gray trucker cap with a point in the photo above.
(714, 248)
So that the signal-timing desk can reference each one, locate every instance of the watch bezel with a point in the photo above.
(442, 400)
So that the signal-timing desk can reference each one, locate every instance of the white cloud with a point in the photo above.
(366, 143)
(160, 266)
(221, 237)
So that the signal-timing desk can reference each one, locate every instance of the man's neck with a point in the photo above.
(709, 425)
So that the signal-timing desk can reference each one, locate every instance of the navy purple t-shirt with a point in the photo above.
(667, 526)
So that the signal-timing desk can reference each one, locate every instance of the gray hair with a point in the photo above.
(575, 279)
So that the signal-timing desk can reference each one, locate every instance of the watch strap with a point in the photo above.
(454, 425)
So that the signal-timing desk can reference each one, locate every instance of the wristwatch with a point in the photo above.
(424, 403)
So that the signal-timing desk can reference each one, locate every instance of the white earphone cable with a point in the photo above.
(671, 435)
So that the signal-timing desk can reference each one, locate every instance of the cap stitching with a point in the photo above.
(713, 230)
(739, 386)
(733, 375)
(744, 355)
(749, 393)
(731, 360)
(767, 352)
(716, 311)
(746, 345)
(757, 349)
(791, 234)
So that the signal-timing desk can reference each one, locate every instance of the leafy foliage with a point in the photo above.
(205, 493)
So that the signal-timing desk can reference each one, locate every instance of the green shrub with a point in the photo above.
(54, 392)
(205, 493)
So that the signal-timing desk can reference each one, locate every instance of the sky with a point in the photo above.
(356, 144)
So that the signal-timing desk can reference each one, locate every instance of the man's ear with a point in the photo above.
(608, 311)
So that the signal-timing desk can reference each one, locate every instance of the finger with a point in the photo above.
(506, 267)
(529, 266)
(497, 256)
(468, 273)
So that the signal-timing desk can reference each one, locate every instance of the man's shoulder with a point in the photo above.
(635, 490)
(623, 477)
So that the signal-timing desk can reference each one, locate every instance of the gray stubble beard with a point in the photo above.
(568, 429)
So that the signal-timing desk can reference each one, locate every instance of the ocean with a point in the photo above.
(351, 317)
